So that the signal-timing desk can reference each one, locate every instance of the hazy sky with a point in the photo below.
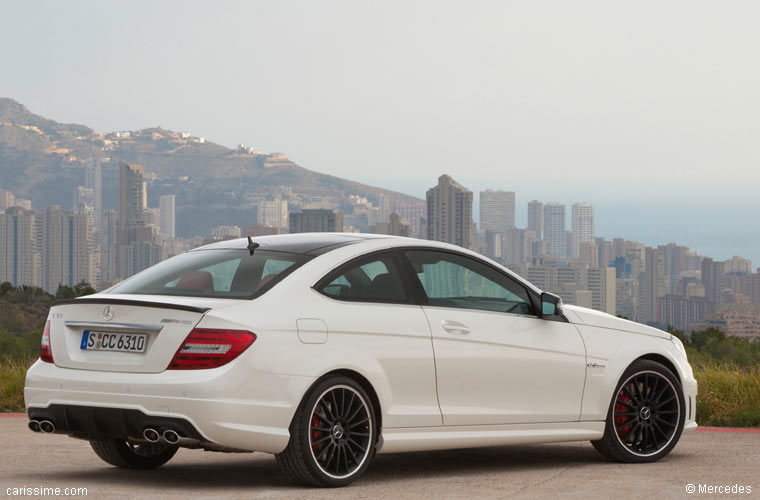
(619, 104)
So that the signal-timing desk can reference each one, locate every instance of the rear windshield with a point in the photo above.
(233, 274)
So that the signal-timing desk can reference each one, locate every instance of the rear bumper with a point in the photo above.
(234, 406)
(94, 422)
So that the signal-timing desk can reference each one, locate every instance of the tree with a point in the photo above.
(78, 290)
(700, 338)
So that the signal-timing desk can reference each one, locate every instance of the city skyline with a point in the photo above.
(669, 284)
(521, 217)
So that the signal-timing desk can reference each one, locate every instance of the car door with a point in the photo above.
(368, 305)
(496, 361)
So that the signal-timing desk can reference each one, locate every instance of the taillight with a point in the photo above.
(46, 352)
(210, 348)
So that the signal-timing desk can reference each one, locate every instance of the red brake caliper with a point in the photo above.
(315, 433)
(622, 396)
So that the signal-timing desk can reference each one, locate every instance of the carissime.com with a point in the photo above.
(36, 491)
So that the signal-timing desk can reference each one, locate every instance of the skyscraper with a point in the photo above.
(653, 286)
(273, 213)
(65, 249)
(131, 194)
(601, 282)
(497, 211)
(536, 218)
(395, 226)
(84, 205)
(109, 248)
(582, 227)
(384, 206)
(516, 246)
(712, 274)
(137, 246)
(166, 208)
(449, 209)
(414, 213)
(19, 256)
(554, 229)
(93, 180)
(316, 220)
(7, 199)
(676, 258)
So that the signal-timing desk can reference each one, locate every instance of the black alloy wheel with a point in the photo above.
(646, 413)
(333, 434)
(646, 416)
(341, 427)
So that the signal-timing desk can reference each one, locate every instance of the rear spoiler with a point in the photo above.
(127, 302)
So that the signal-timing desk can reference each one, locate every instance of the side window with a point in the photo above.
(376, 279)
(451, 280)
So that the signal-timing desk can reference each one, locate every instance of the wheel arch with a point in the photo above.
(663, 360)
(368, 388)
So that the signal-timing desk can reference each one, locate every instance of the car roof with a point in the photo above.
(300, 243)
(315, 244)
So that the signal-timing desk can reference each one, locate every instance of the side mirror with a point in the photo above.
(551, 305)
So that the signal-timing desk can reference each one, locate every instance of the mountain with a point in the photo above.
(43, 160)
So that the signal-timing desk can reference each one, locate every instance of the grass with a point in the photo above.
(12, 376)
(729, 395)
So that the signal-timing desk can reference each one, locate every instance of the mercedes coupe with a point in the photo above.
(325, 349)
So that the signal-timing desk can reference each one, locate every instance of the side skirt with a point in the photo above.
(476, 436)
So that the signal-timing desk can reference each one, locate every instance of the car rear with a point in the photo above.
(155, 360)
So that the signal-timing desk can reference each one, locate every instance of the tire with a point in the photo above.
(125, 455)
(332, 436)
(646, 415)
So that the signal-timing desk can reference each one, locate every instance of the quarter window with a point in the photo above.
(376, 279)
(451, 280)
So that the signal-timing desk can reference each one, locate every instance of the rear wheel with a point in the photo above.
(133, 456)
(332, 436)
(646, 415)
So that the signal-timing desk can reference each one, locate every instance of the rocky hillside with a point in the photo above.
(44, 160)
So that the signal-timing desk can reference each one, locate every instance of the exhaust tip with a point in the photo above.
(34, 425)
(47, 427)
(171, 437)
(151, 435)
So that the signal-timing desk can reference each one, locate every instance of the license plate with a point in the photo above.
(112, 341)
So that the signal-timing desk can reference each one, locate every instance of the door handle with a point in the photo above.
(454, 327)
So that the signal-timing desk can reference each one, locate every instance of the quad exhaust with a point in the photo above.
(149, 434)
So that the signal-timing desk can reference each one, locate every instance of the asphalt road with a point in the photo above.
(572, 470)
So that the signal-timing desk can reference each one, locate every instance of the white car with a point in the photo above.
(325, 349)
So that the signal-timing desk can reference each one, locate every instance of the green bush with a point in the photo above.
(12, 377)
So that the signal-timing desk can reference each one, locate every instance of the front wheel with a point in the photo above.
(133, 456)
(646, 415)
(332, 436)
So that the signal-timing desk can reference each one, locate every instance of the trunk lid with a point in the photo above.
(164, 321)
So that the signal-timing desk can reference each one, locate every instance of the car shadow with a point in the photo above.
(262, 471)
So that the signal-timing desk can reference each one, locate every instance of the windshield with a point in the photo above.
(233, 274)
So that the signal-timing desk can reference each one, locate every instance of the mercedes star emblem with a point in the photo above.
(108, 313)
